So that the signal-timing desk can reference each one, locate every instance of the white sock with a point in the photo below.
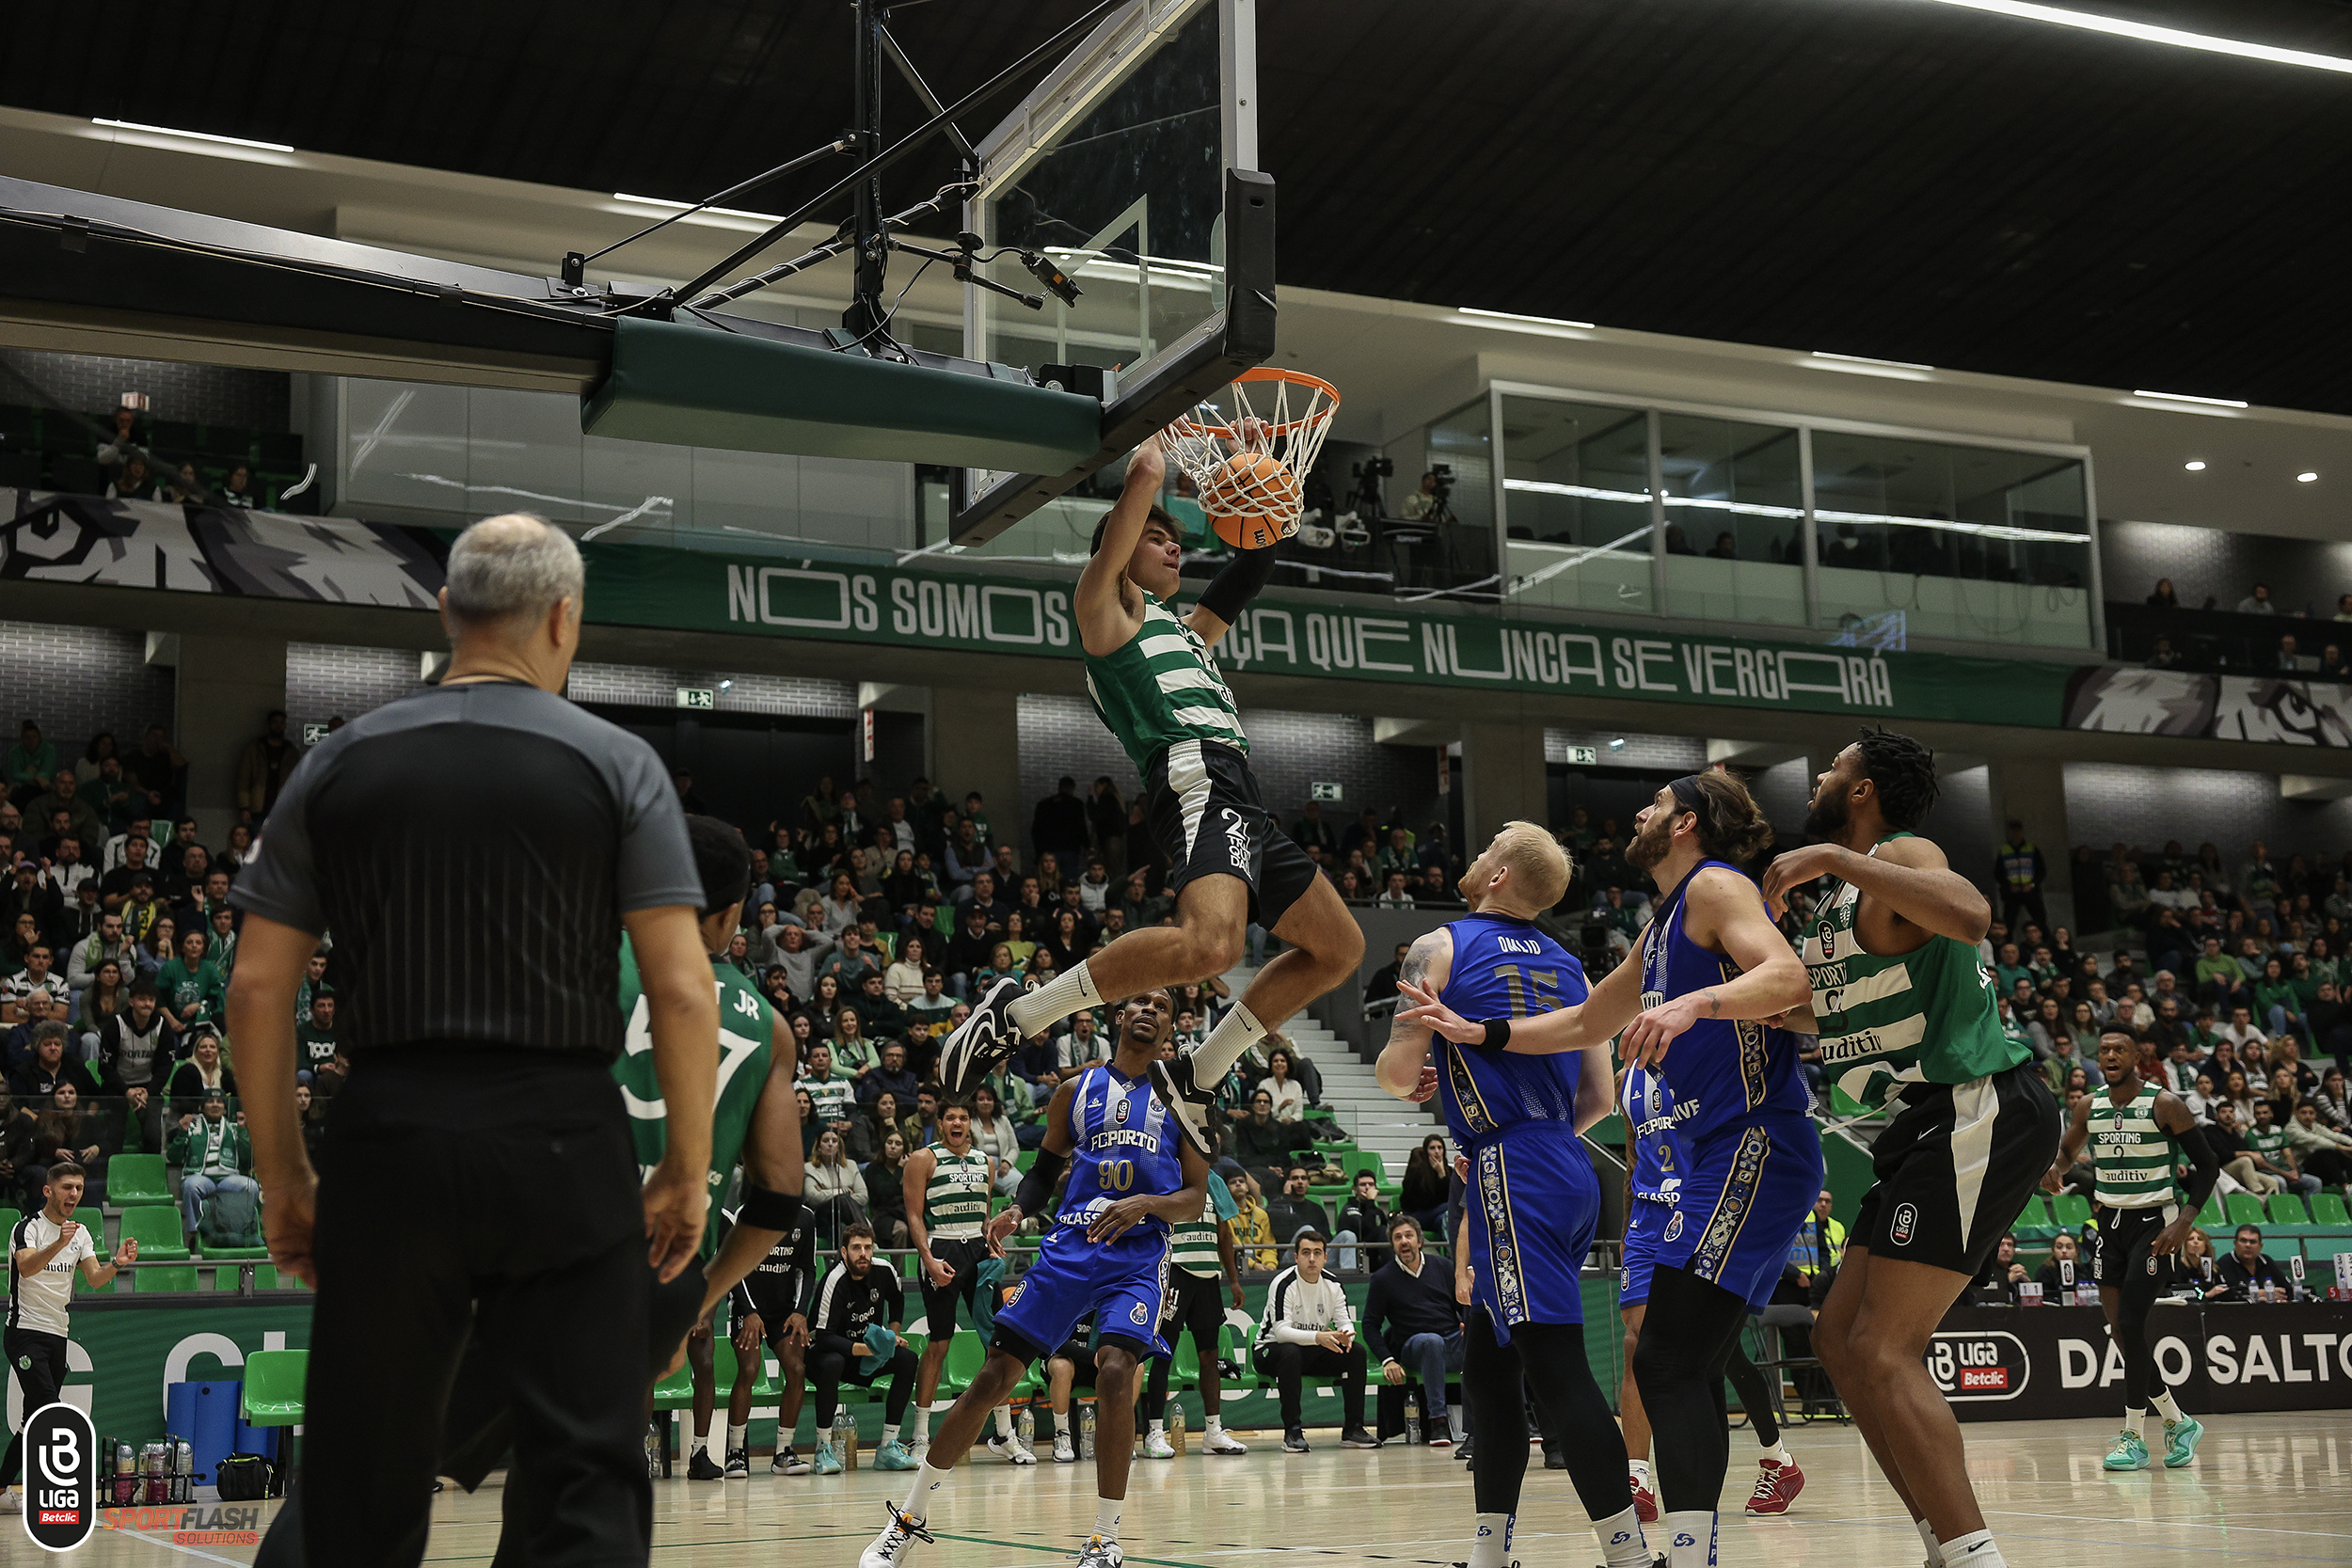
(2169, 1408)
(1004, 1421)
(1491, 1546)
(2132, 1419)
(1454, 1421)
(890, 1431)
(1926, 1538)
(927, 1479)
(1976, 1549)
(1106, 1516)
(1621, 1542)
(1041, 1009)
(737, 1436)
(922, 1423)
(1777, 1454)
(1052, 1423)
(1690, 1538)
(1159, 1424)
(1216, 1422)
(1638, 1470)
(1234, 1034)
(702, 1442)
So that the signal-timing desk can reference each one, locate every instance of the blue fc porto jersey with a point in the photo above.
(1125, 1146)
(1720, 1071)
(1649, 1126)
(1506, 968)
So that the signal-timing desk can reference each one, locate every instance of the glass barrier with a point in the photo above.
(1966, 541)
(1577, 504)
(1734, 520)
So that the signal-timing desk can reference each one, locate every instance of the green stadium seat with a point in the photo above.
(1023, 1161)
(91, 1220)
(2327, 1209)
(2287, 1209)
(148, 1281)
(9, 1218)
(274, 1380)
(1184, 1373)
(2246, 1209)
(967, 1353)
(2070, 1211)
(2211, 1213)
(2034, 1216)
(136, 1179)
(157, 1231)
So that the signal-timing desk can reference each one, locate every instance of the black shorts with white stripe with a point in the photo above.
(1207, 818)
(1955, 1167)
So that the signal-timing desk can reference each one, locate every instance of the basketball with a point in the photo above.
(1252, 500)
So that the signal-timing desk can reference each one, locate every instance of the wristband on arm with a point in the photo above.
(1497, 1033)
(1241, 579)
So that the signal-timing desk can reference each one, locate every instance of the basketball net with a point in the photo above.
(1252, 463)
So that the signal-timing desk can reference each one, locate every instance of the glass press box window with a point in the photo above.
(1577, 494)
(1734, 520)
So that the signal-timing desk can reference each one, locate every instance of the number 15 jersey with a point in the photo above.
(1505, 967)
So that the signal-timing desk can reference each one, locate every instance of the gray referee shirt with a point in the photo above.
(473, 849)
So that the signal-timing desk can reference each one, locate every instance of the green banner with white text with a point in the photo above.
(964, 613)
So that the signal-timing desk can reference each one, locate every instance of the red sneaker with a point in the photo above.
(1645, 1500)
(1776, 1487)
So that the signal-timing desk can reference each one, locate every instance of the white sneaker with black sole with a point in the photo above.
(1064, 1452)
(1189, 1107)
(739, 1465)
(788, 1462)
(1222, 1441)
(985, 1038)
(1011, 1451)
(1293, 1440)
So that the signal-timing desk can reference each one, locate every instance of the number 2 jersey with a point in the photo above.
(1532, 1196)
(746, 1025)
(1721, 1072)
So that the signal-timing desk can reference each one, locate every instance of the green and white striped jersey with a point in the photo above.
(955, 1199)
(1921, 1017)
(1160, 686)
(2135, 1161)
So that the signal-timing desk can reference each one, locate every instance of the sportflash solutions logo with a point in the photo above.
(60, 1477)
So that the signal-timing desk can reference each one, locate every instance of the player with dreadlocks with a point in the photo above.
(1903, 1006)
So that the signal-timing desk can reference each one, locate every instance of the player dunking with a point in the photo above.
(1901, 1003)
(1712, 967)
(2138, 1132)
(1516, 1112)
(1132, 1178)
(1156, 688)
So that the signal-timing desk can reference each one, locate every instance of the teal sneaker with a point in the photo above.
(2129, 1453)
(828, 1462)
(893, 1455)
(2181, 1438)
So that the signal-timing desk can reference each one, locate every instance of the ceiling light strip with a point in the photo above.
(1514, 319)
(2146, 33)
(2191, 397)
(1786, 514)
(194, 136)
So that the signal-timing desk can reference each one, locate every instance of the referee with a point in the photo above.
(477, 851)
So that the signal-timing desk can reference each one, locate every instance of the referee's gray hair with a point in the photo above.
(513, 566)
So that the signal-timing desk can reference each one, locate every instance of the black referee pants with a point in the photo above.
(496, 1195)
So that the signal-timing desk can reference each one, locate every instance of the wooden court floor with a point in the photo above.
(2266, 1492)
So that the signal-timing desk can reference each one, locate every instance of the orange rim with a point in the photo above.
(1296, 378)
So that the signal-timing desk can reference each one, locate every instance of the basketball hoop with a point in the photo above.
(1249, 468)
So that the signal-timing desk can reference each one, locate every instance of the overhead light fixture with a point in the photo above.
(1523, 321)
(2178, 38)
(726, 685)
(1866, 359)
(1617, 744)
(2195, 467)
(2191, 397)
(667, 206)
(194, 136)
(2306, 477)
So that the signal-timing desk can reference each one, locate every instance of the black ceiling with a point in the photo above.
(1882, 177)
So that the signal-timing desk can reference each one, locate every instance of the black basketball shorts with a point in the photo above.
(1955, 1166)
(1207, 818)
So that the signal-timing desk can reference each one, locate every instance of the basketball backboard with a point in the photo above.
(1115, 168)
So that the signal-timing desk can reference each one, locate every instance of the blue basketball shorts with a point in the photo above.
(1644, 1223)
(1745, 1190)
(1123, 1284)
(1533, 1204)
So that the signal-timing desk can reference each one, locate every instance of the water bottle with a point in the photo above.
(1024, 1424)
(1176, 1426)
(1412, 1416)
(653, 1451)
(845, 1438)
(126, 1478)
(155, 1470)
(183, 1471)
(1086, 1432)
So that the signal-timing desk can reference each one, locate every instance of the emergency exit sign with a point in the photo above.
(1329, 794)
(1584, 756)
(702, 697)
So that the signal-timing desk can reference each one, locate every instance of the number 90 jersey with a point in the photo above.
(1125, 1147)
(1505, 968)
